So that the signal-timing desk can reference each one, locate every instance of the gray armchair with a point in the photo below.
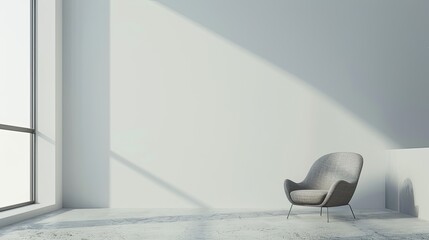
(331, 182)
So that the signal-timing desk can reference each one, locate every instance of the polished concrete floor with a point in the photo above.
(304, 223)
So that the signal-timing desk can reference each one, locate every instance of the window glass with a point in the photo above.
(15, 168)
(15, 62)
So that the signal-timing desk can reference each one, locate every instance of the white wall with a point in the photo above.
(406, 182)
(167, 107)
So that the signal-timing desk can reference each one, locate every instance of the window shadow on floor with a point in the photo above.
(193, 216)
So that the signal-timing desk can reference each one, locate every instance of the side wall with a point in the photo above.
(86, 100)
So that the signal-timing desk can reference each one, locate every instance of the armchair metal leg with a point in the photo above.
(289, 211)
(327, 213)
(352, 211)
(321, 211)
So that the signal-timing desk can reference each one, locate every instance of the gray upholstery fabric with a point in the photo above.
(336, 173)
(308, 197)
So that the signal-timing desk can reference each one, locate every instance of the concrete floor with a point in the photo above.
(304, 223)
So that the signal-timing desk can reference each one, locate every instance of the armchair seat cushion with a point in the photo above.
(308, 197)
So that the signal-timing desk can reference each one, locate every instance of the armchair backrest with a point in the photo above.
(333, 167)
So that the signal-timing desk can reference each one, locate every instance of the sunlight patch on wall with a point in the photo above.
(219, 123)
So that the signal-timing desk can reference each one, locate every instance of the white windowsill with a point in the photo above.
(26, 212)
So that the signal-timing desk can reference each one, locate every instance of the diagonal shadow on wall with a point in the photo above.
(160, 182)
(369, 56)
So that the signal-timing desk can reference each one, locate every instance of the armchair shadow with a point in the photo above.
(406, 199)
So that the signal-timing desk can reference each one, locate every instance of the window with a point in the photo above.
(17, 103)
